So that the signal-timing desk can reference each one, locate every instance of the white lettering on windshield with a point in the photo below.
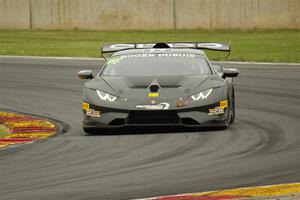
(148, 55)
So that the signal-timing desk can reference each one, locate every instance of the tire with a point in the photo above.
(232, 118)
(88, 131)
(228, 116)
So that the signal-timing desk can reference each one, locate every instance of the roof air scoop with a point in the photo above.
(161, 45)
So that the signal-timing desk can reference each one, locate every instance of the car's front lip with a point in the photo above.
(145, 126)
(188, 117)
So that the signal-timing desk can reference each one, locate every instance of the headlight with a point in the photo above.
(105, 96)
(201, 95)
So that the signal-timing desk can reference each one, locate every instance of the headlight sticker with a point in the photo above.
(201, 95)
(105, 96)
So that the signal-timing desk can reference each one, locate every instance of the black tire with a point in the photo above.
(232, 109)
(228, 117)
(88, 131)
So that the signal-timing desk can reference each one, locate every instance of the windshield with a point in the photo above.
(156, 64)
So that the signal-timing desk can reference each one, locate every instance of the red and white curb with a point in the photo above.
(289, 191)
(19, 129)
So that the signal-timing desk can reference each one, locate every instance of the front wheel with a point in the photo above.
(232, 109)
(88, 131)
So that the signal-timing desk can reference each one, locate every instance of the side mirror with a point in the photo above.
(230, 72)
(85, 74)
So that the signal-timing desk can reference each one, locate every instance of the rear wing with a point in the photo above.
(180, 45)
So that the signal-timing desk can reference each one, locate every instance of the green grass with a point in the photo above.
(3, 131)
(271, 45)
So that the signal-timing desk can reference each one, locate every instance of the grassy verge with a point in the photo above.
(272, 46)
(3, 131)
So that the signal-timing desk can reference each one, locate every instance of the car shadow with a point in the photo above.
(150, 130)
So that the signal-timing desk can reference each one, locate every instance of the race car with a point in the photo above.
(162, 84)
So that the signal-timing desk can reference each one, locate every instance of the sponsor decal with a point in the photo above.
(219, 109)
(114, 60)
(216, 111)
(153, 94)
(157, 51)
(161, 55)
(140, 55)
(85, 106)
(209, 45)
(92, 113)
(144, 46)
(172, 45)
(120, 46)
(161, 106)
(224, 104)
(184, 55)
(193, 45)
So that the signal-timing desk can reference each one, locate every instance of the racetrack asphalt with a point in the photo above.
(261, 147)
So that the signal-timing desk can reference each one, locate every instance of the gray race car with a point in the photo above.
(163, 84)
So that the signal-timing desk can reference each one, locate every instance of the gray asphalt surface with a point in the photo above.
(261, 147)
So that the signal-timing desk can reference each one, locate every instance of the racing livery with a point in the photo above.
(163, 84)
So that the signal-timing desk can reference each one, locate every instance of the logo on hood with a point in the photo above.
(161, 106)
(154, 89)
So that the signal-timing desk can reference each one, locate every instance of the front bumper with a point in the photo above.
(189, 117)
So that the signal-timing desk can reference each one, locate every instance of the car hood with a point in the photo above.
(170, 86)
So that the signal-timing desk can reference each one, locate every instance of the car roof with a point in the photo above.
(160, 50)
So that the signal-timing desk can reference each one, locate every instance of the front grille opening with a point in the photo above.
(189, 121)
(117, 122)
(153, 117)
